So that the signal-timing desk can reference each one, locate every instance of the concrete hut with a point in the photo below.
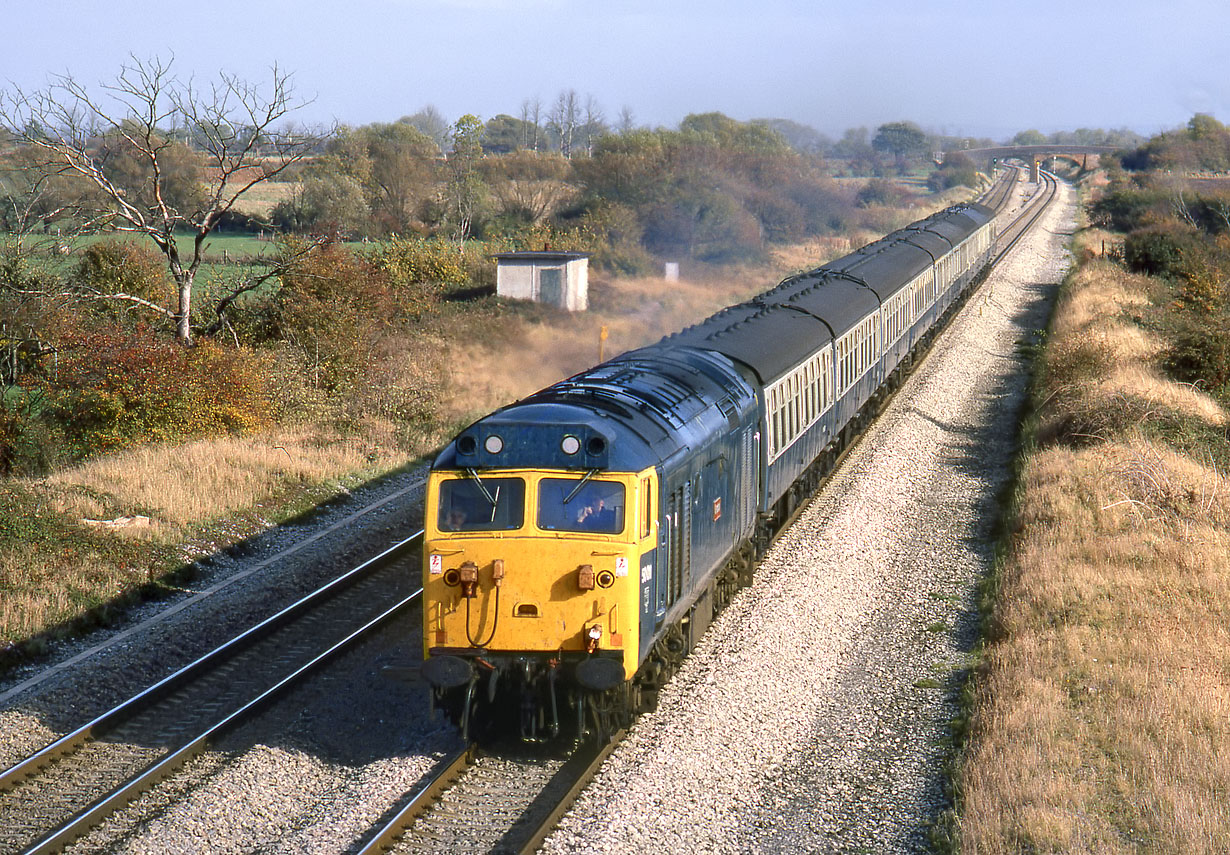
(557, 278)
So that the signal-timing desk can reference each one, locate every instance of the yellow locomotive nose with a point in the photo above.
(542, 572)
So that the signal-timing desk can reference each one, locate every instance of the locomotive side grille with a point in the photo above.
(748, 485)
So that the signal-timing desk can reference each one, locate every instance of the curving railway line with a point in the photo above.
(454, 810)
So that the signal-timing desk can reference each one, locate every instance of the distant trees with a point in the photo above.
(466, 190)
(431, 123)
(1202, 145)
(504, 134)
(527, 187)
(903, 140)
(130, 175)
(802, 138)
(1029, 137)
(715, 189)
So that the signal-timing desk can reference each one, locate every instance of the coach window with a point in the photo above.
(809, 389)
(790, 413)
(796, 389)
(775, 439)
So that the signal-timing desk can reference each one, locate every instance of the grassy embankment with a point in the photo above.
(1101, 709)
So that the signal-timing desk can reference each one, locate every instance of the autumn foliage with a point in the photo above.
(110, 388)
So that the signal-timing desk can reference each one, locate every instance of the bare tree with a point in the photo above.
(431, 122)
(595, 123)
(125, 146)
(627, 120)
(531, 116)
(564, 118)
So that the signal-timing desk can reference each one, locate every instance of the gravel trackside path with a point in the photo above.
(813, 715)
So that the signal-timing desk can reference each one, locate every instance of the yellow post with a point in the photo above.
(602, 336)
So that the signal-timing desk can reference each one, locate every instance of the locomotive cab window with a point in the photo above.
(484, 504)
(646, 508)
(568, 504)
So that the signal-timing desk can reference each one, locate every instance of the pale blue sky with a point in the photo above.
(832, 65)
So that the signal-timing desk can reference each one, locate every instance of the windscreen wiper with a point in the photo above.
(590, 474)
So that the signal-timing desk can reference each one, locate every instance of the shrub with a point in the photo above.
(123, 267)
(957, 170)
(28, 445)
(1129, 208)
(416, 261)
(1199, 349)
(334, 306)
(1161, 250)
(879, 191)
(115, 388)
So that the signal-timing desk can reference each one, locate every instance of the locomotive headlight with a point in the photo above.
(494, 444)
(595, 632)
(570, 445)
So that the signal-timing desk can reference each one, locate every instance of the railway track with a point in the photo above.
(66, 788)
(479, 802)
(1020, 226)
(999, 194)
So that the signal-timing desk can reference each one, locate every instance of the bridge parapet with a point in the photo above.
(1032, 154)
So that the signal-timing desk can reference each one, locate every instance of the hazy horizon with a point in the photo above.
(822, 64)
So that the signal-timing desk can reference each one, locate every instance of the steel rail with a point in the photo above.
(582, 780)
(447, 773)
(1001, 190)
(1025, 221)
(576, 773)
(148, 698)
(95, 813)
(199, 596)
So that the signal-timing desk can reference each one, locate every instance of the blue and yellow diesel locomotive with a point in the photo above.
(580, 541)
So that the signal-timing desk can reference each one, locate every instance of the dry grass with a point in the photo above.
(1099, 364)
(260, 200)
(181, 486)
(165, 504)
(1102, 708)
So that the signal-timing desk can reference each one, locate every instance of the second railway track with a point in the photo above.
(58, 793)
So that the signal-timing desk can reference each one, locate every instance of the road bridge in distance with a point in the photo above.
(1034, 154)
